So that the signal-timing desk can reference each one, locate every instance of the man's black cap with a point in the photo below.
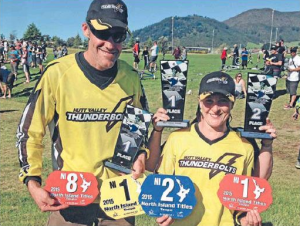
(106, 14)
(294, 50)
(274, 47)
(217, 82)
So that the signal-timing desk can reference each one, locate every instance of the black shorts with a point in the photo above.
(244, 63)
(291, 87)
(39, 61)
(136, 59)
(10, 80)
(153, 59)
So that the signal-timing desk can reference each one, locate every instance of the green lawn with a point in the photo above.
(17, 208)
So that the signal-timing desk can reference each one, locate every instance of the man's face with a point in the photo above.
(101, 54)
(293, 54)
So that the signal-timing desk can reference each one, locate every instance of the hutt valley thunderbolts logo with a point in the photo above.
(99, 114)
(223, 164)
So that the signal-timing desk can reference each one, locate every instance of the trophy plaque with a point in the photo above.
(133, 130)
(173, 83)
(260, 92)
(244, 193)
(170, 195)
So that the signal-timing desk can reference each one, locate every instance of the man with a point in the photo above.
(69, 91)
(39, 57)
(136, 53)
(235, 55)
(14, 57)
(274, 63)
(153, 58)
(245, 54)
(293, 78)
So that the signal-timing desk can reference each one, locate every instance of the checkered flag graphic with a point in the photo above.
(173, 68)
(263, 86)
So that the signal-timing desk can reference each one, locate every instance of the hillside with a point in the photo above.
(257, 22)
(250, 26)
(193, 31)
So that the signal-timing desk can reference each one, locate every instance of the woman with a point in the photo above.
(240, 86)
(210, 139)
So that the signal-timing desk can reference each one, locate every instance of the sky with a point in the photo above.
(63, 18)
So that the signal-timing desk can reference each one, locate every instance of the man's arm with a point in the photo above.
(38, 113)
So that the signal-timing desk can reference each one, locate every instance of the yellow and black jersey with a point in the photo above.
(84, 120)
(187, 152)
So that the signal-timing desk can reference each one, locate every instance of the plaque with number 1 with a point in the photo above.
(119, 196)
(173, 82)
(244, 193)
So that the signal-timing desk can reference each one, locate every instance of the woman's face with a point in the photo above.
(238, 77)
(215, 110)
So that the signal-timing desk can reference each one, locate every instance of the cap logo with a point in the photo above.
(222, 80)
(117, 8)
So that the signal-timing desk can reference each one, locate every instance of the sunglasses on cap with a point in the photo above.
(117, 36)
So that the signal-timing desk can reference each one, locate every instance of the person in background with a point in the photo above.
(295, 117)
(54, 52)
(14, 57)
(235, 55)
(64, 50)
(24, 62)
(154, 55)
(7, 78)
(292, 80)
(39, 57)
(274, 63)
(33, 54)
(244, 54)
(224, 57)
(145, 55)
(240, 86)
(177, 53)
(59, 53)
(136, 54)
(184, 53)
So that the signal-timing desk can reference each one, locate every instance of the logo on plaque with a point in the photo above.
(173, 82)
(260, 93)
(133, 130)
(168, 195)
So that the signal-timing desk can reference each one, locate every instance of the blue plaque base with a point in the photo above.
(174, 124)
(255, 135)
(117, 167)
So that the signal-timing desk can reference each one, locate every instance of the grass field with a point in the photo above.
(17, 207)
